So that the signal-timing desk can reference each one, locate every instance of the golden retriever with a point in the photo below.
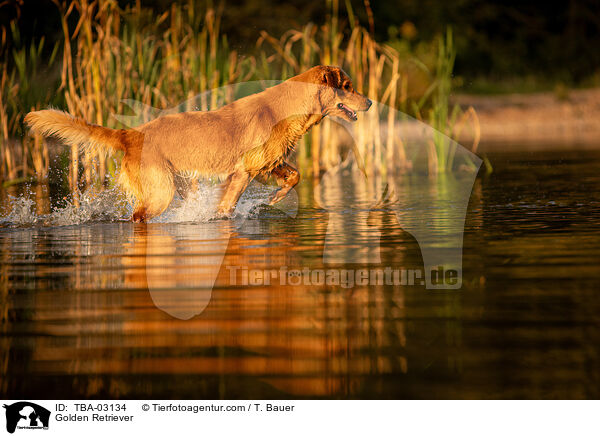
(251, 136)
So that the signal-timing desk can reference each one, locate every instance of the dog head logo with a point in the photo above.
(26, 415)
(432, 212)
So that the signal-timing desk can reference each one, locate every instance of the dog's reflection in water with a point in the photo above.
(298, 339)
(178, 264)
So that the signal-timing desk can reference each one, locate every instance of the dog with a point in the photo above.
(249, 137)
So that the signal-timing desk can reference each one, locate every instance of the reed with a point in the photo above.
(22, 156)
(110, 57)
(156, 63)
(380, 72)
(374, 68)
(447, 122)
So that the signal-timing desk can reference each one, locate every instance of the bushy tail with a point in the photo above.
(76, 131)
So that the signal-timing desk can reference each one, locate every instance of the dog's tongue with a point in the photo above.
(350, 112)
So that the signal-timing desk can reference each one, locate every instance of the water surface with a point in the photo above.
(96, 307)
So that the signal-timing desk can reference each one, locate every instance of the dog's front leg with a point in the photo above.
(233, 188)
(287, 177)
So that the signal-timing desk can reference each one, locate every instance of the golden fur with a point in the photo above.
(250, 136)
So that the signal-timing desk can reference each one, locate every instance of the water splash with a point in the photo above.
(201, 206)
(92, 205)
(21, 212)
(111, 205)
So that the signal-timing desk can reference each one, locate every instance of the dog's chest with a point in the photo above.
(280, 144)
(291, 132)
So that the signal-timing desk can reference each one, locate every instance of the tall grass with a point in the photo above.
(375, 70)
(20, 93)
(109, 57)
(447, 122)
(155, 62)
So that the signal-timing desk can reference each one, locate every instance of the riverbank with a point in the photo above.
(546, 119)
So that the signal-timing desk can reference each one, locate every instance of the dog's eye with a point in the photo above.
(347, 86)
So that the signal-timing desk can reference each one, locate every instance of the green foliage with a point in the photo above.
(27, 85)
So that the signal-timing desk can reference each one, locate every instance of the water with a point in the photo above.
(93, 306)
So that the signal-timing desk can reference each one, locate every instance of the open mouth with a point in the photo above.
(349, 112)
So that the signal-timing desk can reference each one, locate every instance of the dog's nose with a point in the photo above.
(369, 103)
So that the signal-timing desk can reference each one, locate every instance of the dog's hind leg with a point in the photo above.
(287, 177)
(158, 190)
(152, 207)
(233, 188)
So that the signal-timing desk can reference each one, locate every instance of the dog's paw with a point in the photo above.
(264, 210)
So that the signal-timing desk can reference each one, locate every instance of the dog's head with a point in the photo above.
(336, 92)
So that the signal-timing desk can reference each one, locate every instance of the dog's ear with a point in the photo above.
(330, 77)
(326, 78)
